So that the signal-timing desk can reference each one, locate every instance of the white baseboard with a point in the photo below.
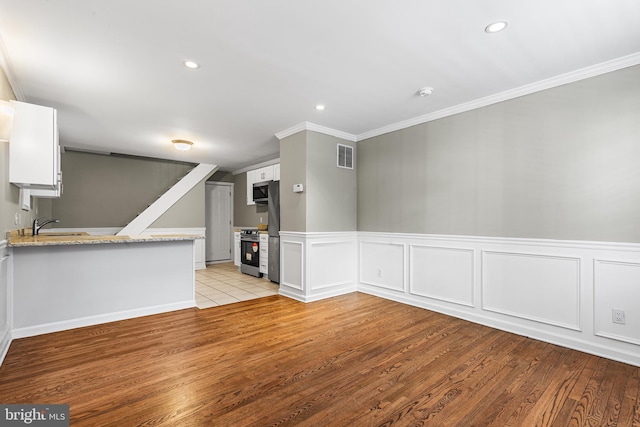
(316, 296)
(100, 319)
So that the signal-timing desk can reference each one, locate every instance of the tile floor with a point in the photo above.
(223, 284)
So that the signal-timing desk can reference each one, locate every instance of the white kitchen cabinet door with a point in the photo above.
(264, 253)
(50, 194)
(236, 248)
(264, 174)
(251, 178)
(276, 172)
(34, 152)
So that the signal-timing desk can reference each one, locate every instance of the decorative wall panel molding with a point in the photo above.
(442, 273)
(331, 264)
(532, 286)
(318, 265)
(293, 262)
(617, 287)
(382, 264)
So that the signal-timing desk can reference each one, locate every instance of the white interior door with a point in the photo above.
(218, 214)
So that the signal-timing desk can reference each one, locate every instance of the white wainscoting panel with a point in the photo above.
(5, 299)
(442, 273)
(382, 264)
(331, 264)
(536, 287)
(292, 259)
(617, 286)
(317, 265)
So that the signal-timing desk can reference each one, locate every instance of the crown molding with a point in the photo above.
(5, 63)
(315, 128)
(332, 132)
(562, 79)
(291, 131)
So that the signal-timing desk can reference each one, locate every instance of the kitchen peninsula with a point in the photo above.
(63, 281)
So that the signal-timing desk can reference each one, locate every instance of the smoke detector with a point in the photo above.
(425, 91)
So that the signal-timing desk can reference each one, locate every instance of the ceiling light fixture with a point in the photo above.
(425, 91)
(319, 107)
(496, 27)
(182, 144)
(190, 64)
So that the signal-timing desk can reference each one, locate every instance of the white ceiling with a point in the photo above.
(113, 68)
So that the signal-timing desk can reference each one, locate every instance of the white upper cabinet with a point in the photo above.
(49, 194)
(34, 152)
(264, 174)
(267, 173)
(250, 180)
(276, 172)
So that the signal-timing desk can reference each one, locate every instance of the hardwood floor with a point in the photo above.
(354, 360)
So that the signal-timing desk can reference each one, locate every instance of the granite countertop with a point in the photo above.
(65, 239)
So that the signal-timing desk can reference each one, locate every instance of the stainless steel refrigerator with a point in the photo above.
(273, 206)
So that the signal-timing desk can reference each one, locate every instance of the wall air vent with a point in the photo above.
(345, 156)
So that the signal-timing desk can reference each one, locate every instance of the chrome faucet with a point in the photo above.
(35, 229)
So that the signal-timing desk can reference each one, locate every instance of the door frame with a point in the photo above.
(231, 242)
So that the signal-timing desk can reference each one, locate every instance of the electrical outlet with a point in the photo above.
(379, 272)
(618, 316)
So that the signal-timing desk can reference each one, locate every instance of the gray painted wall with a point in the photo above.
(222, 176)
(331, 191)
(293, 170)
(558, 164)
(187, 212)
(329, 200)
(246, 215)
(109, 191)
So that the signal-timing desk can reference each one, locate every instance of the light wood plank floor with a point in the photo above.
(354, 360)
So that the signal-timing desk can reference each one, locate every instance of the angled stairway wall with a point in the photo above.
(168, 199)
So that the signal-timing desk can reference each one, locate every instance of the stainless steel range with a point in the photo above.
(250, 252)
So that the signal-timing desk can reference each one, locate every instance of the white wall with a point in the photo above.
(92, 284)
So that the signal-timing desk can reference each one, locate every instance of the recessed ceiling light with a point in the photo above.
(190, 64)
(182, 144)
(496, 27)
(319, 107)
